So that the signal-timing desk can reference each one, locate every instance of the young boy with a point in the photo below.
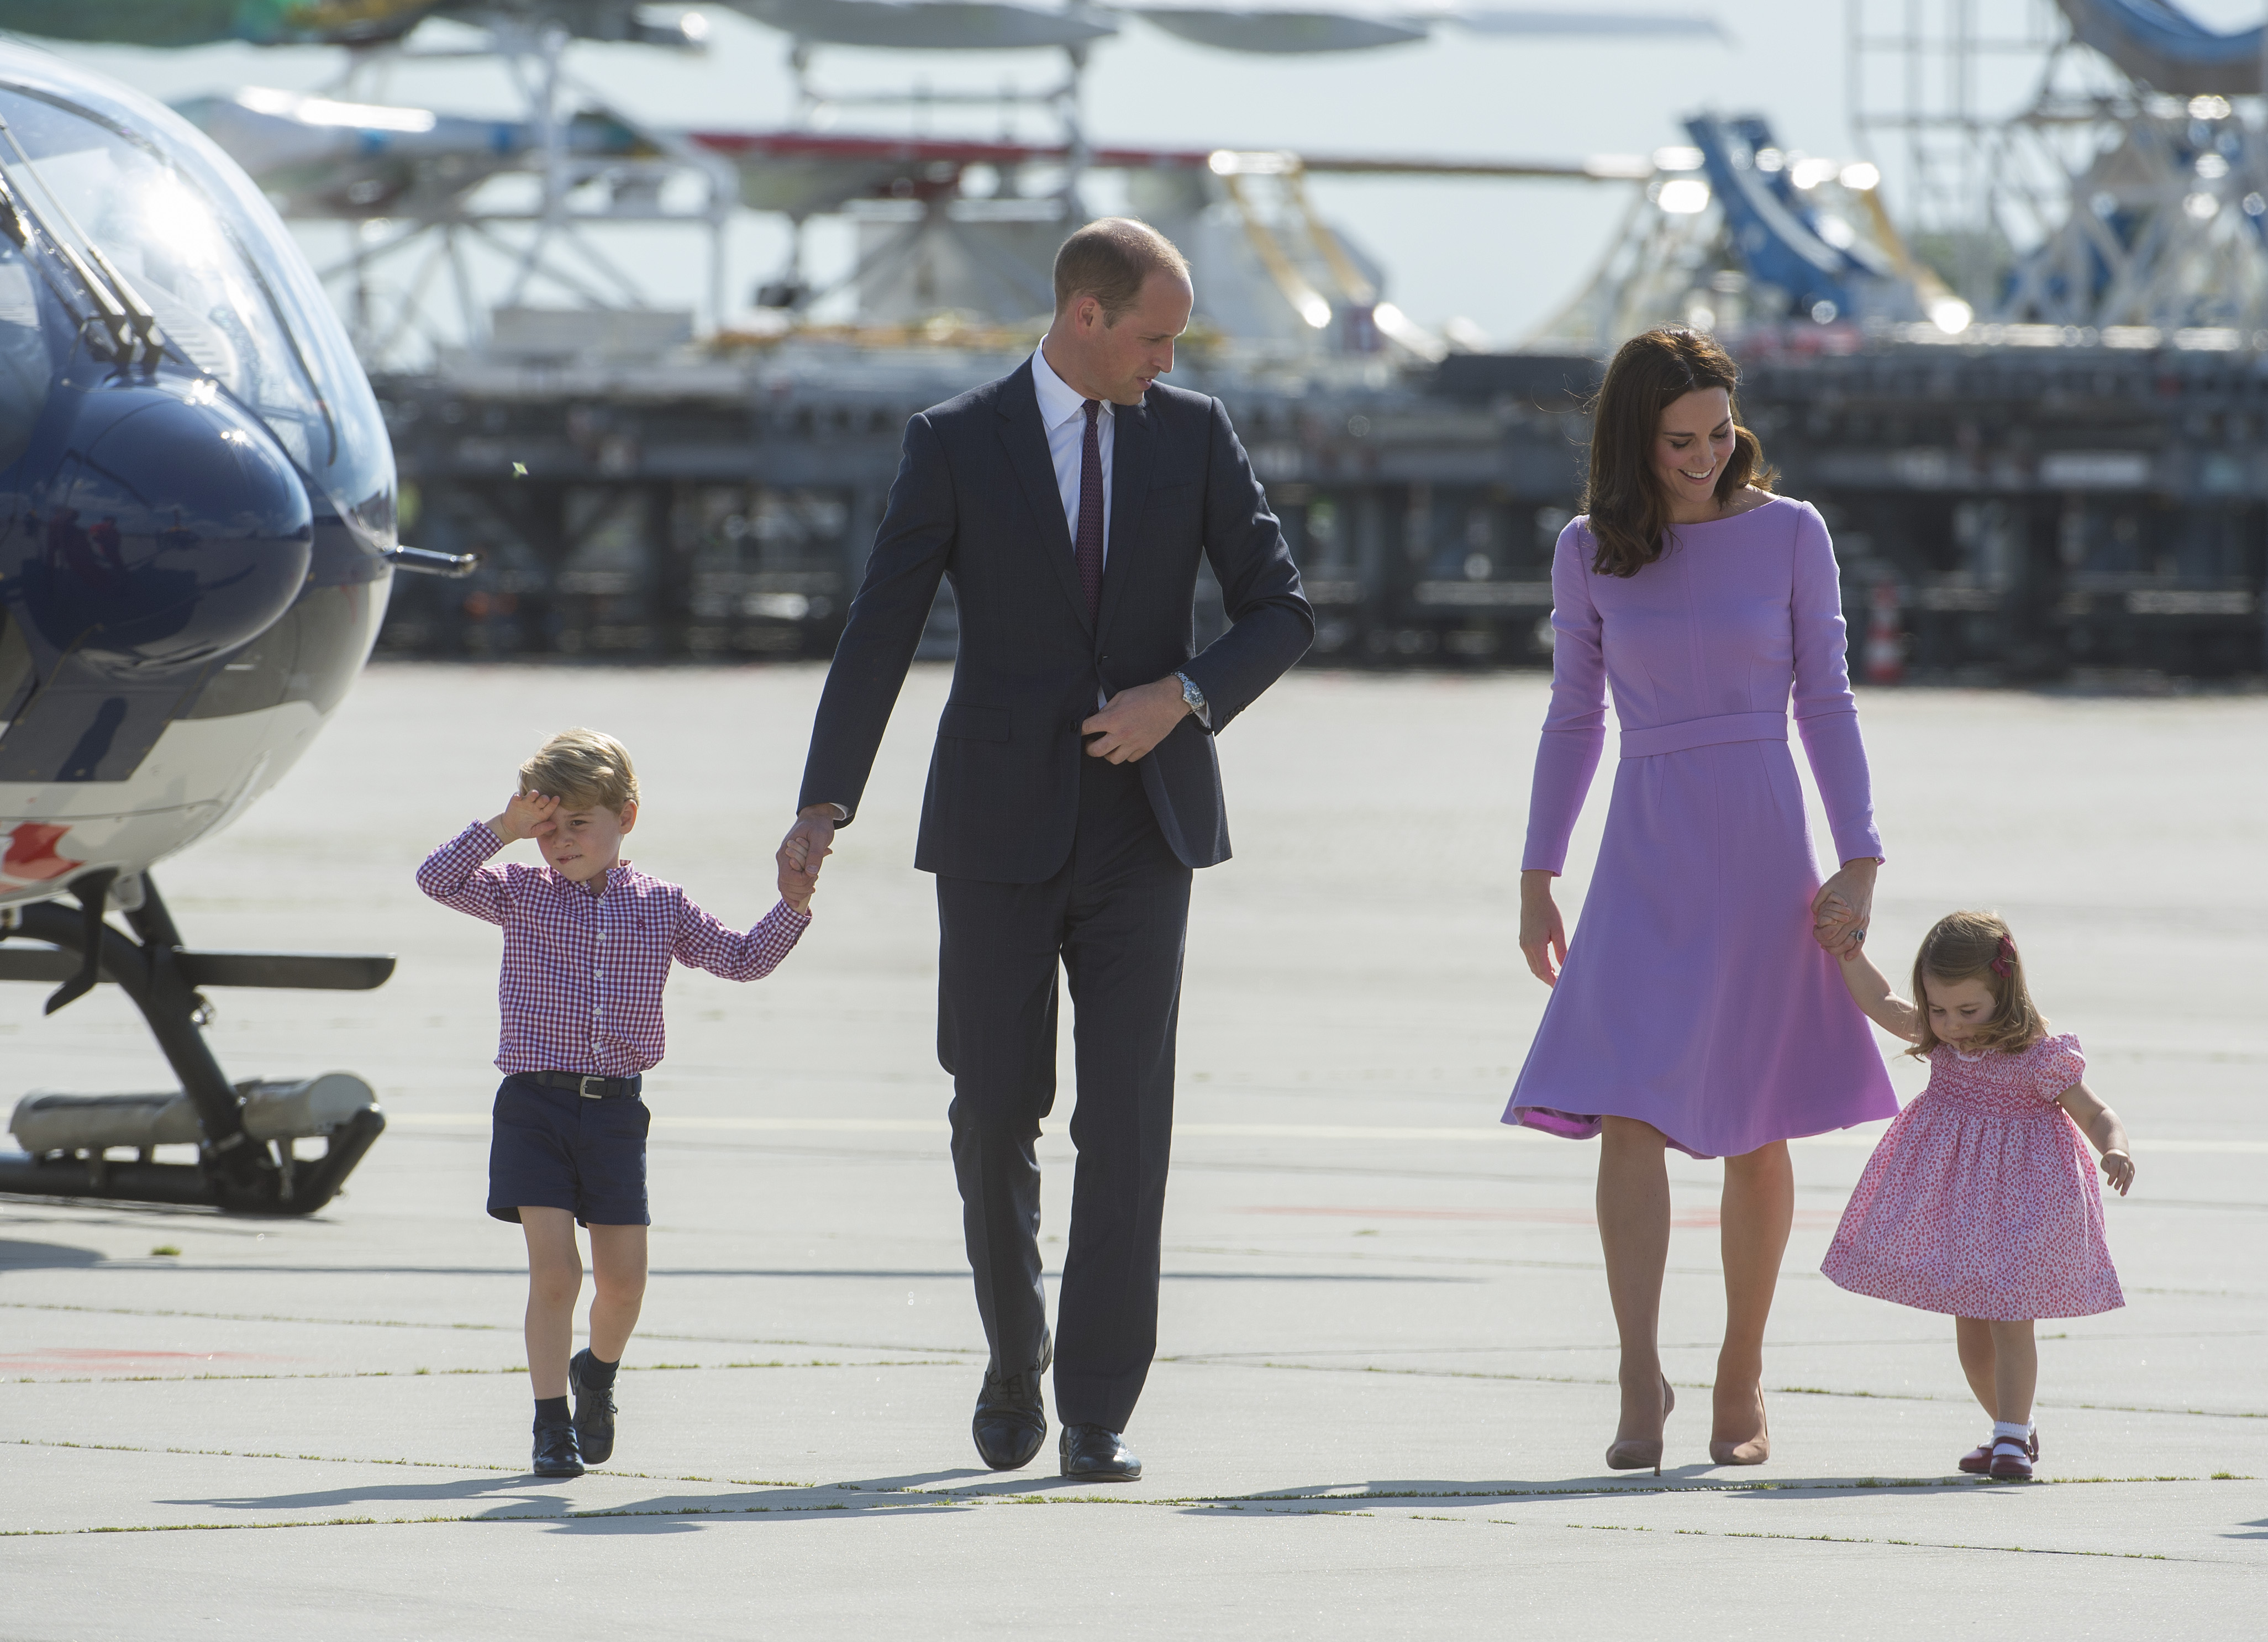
(588, 940)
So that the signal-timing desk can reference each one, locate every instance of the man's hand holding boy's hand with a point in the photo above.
(808, 844)
(527, 815)
(796, 884)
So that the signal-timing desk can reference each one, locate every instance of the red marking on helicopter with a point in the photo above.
(32, 856)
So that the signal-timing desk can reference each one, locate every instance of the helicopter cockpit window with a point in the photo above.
(25, 372)
(164, 236)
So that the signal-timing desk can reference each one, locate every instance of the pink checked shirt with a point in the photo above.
(581, 985)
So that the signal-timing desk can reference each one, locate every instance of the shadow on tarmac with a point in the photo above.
(1682, 1479)
(529, 1495)
(530, 1498)
(19, 1257)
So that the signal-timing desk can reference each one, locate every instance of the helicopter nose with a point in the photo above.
(173, 528)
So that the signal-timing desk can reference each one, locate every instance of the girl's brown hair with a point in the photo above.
(1652, 372)
(1977, 946)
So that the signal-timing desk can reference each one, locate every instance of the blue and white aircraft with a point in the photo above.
(196, 541)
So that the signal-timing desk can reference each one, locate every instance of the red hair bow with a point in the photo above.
(2002, 964)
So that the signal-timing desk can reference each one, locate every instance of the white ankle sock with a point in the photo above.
(2008, 1430)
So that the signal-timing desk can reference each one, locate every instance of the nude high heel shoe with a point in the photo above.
(1636, 1454)
(1751, 1451)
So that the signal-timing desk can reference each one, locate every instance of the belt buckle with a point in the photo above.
(583, 1087)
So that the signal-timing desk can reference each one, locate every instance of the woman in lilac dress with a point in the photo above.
(1699, 1004)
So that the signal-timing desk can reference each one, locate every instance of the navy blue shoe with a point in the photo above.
(556, 1451)
(595, 1411)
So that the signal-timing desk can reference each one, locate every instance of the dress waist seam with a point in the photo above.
(1653, 740)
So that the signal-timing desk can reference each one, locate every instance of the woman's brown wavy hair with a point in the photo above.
(1652, 372)
(1964, 947)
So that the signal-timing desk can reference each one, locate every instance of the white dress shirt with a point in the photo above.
(1063, 412)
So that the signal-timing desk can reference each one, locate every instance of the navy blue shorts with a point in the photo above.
(555, 1149)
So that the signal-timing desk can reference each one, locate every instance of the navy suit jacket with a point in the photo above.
(975, 501)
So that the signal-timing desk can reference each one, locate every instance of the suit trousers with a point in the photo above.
(1114, 918)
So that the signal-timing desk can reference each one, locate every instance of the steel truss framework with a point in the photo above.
(2087, 199)
(1059, 103)
(664, 180)
(1659, 270)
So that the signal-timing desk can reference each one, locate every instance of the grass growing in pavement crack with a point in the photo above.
(933, 1502)
(515, 1368)
(947, 1356)
(956, 1352)
(1593, 1379)
(1364, 1495)
(420, 1465)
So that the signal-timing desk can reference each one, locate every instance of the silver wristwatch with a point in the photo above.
(1196, 699)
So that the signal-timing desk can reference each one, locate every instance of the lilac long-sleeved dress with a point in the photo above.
(1693, 997)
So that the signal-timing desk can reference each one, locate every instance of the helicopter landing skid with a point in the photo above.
(244, 1133)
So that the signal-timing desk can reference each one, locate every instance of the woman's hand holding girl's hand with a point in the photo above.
(2118, 1168)
(1842, 908)
(1542, 937)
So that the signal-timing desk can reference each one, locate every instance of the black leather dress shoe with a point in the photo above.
(594, 1413)
(555, 1452)
(1093, 1454)
(1011, 1421)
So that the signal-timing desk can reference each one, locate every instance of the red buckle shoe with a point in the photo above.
(1979, 1461)
(2012, 1461)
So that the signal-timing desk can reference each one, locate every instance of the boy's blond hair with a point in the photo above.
(585, 770)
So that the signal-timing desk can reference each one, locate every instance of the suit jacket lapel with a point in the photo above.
(1025, 438)
(1130, 459)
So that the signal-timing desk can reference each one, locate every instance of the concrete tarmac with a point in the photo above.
(1385, 1380)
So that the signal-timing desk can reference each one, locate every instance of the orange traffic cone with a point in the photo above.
(1886, 643)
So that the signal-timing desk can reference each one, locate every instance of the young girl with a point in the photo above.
(1980, 1201)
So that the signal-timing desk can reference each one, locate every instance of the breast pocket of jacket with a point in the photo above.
(962, 721)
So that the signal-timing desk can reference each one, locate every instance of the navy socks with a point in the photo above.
(595, 1374)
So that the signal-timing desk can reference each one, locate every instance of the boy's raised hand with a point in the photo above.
(527, 815)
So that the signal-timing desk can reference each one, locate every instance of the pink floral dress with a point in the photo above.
(1981, 1199)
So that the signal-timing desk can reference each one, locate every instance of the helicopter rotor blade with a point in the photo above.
(929, 25)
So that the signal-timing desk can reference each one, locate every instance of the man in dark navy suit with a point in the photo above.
(1073, 787)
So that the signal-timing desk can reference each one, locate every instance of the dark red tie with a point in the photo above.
(1089, 546)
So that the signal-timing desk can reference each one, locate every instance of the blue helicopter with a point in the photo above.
(196, 542)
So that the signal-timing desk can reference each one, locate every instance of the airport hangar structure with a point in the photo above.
(2036, 420)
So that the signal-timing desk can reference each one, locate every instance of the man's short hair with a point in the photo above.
(1108, 259)
(585, 770)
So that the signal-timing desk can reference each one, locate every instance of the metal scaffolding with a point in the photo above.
(2090, 165)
